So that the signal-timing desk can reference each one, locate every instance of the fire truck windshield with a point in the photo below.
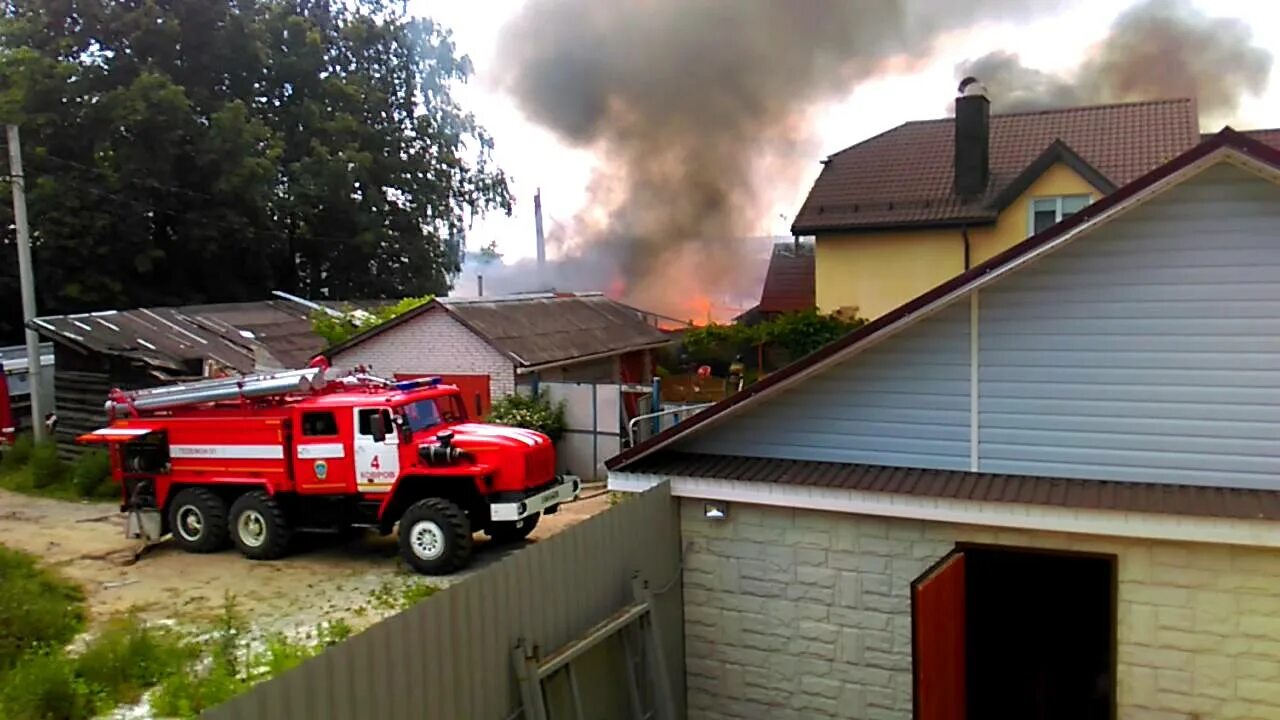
(425, 414)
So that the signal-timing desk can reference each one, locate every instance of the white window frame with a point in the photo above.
(1031, 208)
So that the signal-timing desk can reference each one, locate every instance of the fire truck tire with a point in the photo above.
(514, 531)
(435, 537)
(259, 527)
(198, 521)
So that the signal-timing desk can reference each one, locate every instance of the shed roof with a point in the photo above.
(172, 341)
(541, 329)
(904, 177)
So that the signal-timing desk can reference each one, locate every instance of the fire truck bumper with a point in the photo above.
(565, 490)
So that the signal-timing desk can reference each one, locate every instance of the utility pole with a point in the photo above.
(26, 279)
(537, 220)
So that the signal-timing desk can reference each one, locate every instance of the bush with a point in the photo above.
(91, 475)
(44, 685)
(128, 657)
(18, 455)
(38, 610)
(47, 469)
(337, 330)
(535, 412)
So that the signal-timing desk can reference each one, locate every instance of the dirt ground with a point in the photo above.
(322, 580)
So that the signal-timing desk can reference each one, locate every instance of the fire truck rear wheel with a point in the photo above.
(513, 531)
(259, 528)
(435, 536)
(198, 520)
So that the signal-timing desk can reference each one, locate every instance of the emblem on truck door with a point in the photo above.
(322, 469)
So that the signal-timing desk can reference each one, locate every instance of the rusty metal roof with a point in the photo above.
(176, 341)
(904, 177)
(980, 487)
(555, 328)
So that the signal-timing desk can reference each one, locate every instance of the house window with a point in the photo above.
(319, 424)
(1046, 212)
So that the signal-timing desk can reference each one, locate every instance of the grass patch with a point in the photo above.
(38, 609)
(231, 662)
(40, 613)
(35, 469)
(398, 595)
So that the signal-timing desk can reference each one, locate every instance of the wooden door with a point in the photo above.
(938, 640)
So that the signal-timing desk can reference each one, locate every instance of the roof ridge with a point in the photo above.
(1098, 106)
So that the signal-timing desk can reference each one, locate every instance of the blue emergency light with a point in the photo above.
(407, 385)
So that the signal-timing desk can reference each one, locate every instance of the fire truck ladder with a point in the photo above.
(646, 668)
(204, 391)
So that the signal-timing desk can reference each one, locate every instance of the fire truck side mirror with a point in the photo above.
(378, 427)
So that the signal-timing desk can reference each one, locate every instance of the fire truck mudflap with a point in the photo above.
(565, 490)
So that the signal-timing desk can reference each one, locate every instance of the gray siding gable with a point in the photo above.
(1147, 350)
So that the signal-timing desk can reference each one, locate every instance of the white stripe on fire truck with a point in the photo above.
(228, 452)
(123, 431)
(319, 451)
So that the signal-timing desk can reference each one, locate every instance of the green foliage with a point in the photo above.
(229, 665)
(91, 475)
(38, 609)
(336, 330)
(47, 469)
(314, 146)
(45, 686)
(128, 657)
(398, 596)
(18, 455)
(535, 412)
(797, 333)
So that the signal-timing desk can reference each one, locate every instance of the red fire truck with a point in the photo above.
(8, 424)
(251, 461)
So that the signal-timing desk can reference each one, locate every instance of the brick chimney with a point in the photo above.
(973, 123)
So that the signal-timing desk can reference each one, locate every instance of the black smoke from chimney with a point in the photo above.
(696, 109)
(1160, 49)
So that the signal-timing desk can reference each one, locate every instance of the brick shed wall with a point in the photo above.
(797, 614)
(433, 342)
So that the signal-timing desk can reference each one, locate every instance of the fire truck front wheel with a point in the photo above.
(198, 520)
(435, 536)
(259, 527)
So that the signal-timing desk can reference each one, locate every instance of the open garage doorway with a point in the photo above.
(1003, 632)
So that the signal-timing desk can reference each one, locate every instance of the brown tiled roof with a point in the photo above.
(981, 487)
(1270, 136)
(789, 286)
(957, 286)
(904, 176)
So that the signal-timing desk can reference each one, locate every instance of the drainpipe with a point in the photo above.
(964, 234)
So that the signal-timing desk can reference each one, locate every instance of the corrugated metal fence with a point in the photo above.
(450, 656)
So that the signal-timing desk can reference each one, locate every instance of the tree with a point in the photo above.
(182, 152)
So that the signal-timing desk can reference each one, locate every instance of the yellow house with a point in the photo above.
(899, 213)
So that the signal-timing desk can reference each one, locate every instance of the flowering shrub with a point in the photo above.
(535, 412)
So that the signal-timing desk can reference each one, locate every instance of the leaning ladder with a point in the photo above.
(637, 626)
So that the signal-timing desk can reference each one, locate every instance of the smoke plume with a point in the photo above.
(1159, 49)
(695, 109)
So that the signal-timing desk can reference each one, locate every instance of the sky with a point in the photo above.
(535, 158)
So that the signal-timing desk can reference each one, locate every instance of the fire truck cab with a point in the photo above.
(252, 461)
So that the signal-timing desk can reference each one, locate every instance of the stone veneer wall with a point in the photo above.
(800, 614)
